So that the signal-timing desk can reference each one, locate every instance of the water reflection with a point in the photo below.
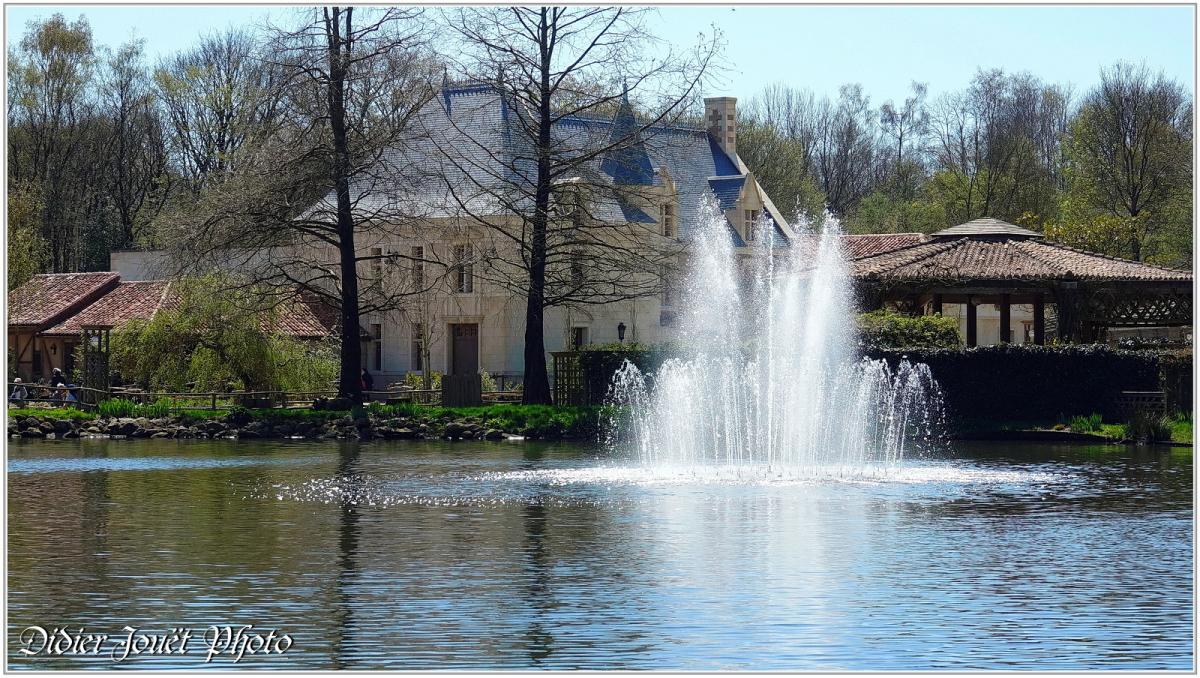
(470, 556)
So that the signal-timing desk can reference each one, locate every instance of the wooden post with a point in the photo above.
(937, 304)
(1005, 318)
(972, 325)
(1039, 320)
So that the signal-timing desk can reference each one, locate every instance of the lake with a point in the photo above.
(471, 555)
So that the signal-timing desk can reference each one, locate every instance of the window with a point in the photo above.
(377, 261)
(464, 278)
(578, 338)
(750, 216)
(577, 269)
(416, 360)
(418, 268)
(666, 217)
(377, 346)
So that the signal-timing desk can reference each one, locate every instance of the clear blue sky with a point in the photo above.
(818, 47)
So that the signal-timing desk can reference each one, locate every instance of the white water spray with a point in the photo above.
(767, 381)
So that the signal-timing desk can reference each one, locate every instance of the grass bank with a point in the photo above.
(372, 420)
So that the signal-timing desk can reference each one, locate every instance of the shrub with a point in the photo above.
(416, 381)
(211, 339)
(1148, 427)
(123, 407)
(884, 329)
(1088, 424)
(600, 362)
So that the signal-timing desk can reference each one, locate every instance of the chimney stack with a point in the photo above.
(720, 116)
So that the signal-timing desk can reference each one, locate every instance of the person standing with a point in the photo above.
(368, 383)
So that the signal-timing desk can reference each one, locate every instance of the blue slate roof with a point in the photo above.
(727, 190)
(470, 147)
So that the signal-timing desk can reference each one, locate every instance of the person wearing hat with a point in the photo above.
(57, 379)
(19, 392)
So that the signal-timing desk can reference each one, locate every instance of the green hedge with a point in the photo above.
(1014, 381)
(884, 329)
(600, 363)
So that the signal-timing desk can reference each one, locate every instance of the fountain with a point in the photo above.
(766, 381)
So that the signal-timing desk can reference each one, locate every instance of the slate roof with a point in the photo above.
(468, 139)
(986, 259)
(727, 190)
(48, 298)
(127, 301)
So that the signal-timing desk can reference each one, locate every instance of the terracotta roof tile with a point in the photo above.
(49, 297)
(1025, 259)
(127, 301)
(298, 319)
(858, 246)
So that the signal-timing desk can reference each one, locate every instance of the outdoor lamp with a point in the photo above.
(621, 333)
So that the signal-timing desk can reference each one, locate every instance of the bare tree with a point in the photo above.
(906, 125)
(844, 151)
(312, 206)
(1131, 149)
(216, 98)
(554, 205)
(135, 153)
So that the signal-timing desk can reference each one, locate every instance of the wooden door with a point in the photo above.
(464, 352)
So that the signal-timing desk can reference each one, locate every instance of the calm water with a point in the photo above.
(513, 556)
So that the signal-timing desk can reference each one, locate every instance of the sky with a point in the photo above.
(820, 48)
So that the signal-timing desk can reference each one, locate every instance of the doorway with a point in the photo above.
(464, 348)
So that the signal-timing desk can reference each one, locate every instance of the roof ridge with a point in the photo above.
(944, 245)
(1110, 257)
(1020, 246)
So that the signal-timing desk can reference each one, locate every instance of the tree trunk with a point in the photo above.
(537, 381)
(349, 384)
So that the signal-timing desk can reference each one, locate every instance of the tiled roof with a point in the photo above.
(298, 319)
(49, 297)
(858, 246)
(987, 227)
(968, 259)
(127, 301)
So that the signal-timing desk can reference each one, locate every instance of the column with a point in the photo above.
(937, 304)
(972, 323)
(1005, 318)
(1039, 320)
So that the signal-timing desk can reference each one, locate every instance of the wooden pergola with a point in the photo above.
(990, 261)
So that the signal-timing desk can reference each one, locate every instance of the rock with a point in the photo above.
(32, 433)
(161, 434)
(70, 434)
(453, 430)
(122, 427)
(62, 426)
(362, 422)
(31, 422)
(493, 434)
(46, 427)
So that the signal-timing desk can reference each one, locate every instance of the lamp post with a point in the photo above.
(621, 333)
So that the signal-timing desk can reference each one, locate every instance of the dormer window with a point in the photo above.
(750, 218)
(666, 217)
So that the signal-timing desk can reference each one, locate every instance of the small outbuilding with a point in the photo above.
(987, 261)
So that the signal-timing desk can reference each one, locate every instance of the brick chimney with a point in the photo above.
(720, 116)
